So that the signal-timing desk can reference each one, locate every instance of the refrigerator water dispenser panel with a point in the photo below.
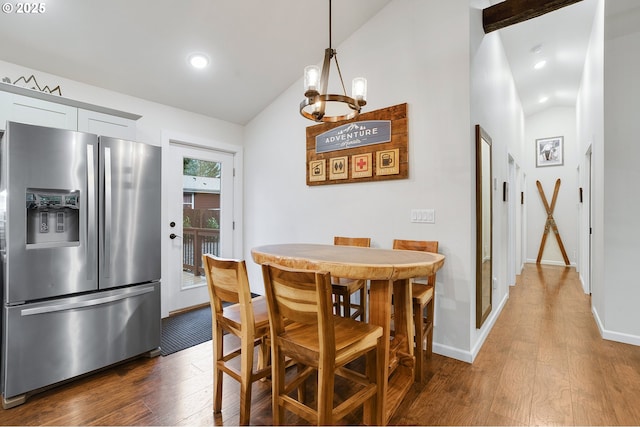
(53, 217)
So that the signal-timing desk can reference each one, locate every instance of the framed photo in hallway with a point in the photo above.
(550, 151)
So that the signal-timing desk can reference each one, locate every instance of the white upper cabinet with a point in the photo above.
(106, 125)
(32, 111)
(37, 108)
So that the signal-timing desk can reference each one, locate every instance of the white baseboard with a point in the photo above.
(549, 262)
(612, 335)
(583, 284)
(452, 352)
(488, 326)
(466, 355)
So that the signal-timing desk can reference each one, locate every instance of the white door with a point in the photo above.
(200, 191)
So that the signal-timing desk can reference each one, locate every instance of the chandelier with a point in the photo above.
(320, 106)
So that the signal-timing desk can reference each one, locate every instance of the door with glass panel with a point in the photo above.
(201, 219)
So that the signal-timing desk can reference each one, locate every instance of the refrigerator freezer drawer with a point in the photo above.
(52, 341)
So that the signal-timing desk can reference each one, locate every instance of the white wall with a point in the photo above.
(413, 51)
(590, 138)
(495, 105)
(607, 128)
(621, 175)
(552, 122)
(155, 117)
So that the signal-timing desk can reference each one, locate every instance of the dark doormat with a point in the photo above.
(185, 330)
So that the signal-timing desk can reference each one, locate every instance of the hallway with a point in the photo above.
(543, 363)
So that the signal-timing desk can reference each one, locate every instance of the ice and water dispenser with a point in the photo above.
(53, 217)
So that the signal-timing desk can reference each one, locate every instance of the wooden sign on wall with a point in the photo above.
(372, 147)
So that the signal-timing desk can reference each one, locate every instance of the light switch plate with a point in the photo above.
(426, 216)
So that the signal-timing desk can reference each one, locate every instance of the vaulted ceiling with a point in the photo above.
(561, 39)
(257, 48)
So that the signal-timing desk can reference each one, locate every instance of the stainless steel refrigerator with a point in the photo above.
(80, 248)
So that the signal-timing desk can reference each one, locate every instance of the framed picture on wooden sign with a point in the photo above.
(317, 171)
(338, 168)
(371, 147)
(550, 151)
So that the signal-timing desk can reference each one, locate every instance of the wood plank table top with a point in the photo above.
(351, 262)
(388, 271)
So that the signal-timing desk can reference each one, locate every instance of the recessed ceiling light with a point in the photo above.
(198, 60)
(540, 64)
(536, 49)
(543, 99)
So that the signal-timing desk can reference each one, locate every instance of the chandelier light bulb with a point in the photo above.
(311, 78)
(359, 89)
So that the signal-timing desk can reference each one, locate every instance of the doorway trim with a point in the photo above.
(512, 230)
(589, 228)
(168, 138)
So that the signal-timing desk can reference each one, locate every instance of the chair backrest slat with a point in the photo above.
(418, 245)
(352, 241)
(225, 284)
(227, 281)
(299, 296)
(297, 301)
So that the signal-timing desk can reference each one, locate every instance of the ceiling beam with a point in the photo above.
(511, 12)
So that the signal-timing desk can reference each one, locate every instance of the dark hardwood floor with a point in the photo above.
(543, 363)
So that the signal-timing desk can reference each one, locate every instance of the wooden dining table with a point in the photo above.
(388, 271)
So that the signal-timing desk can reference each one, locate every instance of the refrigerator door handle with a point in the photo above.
(83, 304)
(107, 212)
(90, 248)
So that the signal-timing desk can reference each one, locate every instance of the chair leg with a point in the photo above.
(429, 327)
(419, 339)
(363, 304)
(217, 373)
(342, 303)
(302, 390)
(370, 409)
(326, 379)
(246, 372)
(338, 303)
(264, 353)
(346, 298)
(277, 385)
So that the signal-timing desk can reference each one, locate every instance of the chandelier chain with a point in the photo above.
(330, 25)
(334, 54)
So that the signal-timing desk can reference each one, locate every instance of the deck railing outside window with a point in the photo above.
(201, 235)
(195, 242)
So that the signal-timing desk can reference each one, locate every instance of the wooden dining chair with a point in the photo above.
(320, 342)
(342, 288)
(245, 318)
(423, 302)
